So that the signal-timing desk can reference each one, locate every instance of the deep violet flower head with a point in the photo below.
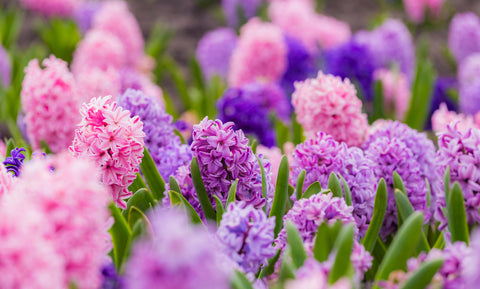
(312, 275)
(322, 155)
(246, 235)
(5, 67)
(301, 64)
(160, 139)
(14, 162)
(237, 11)
(113, 140)
(464, 35)
(328, 104)
(441, 95)
(469, 84)
(50, 101)
(352, 60)
(111, 278)
(392, 45)
(459, 150)
(51, 8)
(416, 9)
(390, 153)
(260, 55)
(179, 255)
(214, 51)
(84, 14)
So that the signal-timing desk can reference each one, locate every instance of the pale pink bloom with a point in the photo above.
(328, 104)
(443, 117)
(274, 156)
(313, 276)
(96, 82)
(261, 54)
(396, 91)
(50, 101)
(49, 8)
(6, 181)
(416, 9)
(331, 32)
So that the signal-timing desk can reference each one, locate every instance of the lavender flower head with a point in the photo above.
(353, 60)
(84, 14)
(179, 255)
(160, 139)
(214, 51)
(111, 279)
(469, 84)
(472, 262)
(392, 154)
(235, 10)
(5, 67)
(247, 236)
(464, 35)
(14, 162)
(440, 95)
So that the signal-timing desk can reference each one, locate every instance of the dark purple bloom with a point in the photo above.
(5, 67)
(14, 162)
(238, 10)
(111, 279)
(440, 95)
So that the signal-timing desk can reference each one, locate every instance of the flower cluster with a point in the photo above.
(112, 139)
(464, 35)
(469, 84)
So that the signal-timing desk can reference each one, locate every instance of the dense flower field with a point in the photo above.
(294, 153)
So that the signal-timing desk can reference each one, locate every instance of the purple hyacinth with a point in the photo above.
(5, 67)
(440, 95)
(301, 64)
(391, 154)
(214, 51)
(14, 162)
(460, 151)
(111, 279)
(179, 255)
(353, 60)
(322, 155)
(464, 35)
(247, 236)
(160, 139)
(308, 214)
(391, 44)
(237, 11)
(84, 14)
(469, 84)
(472, 262)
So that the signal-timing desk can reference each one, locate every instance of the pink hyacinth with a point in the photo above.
(261, 54)
(443, 117)
(313, 276)
(49, 8)
(416, 9)
(99, 49)
(396, 91)
(6, 181)
(274, 156)
(50, 102)
(328, 104)
(114, 141)
(331, 32)
(96, 82)
(115, 18)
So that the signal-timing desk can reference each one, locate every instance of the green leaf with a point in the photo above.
(440, 242)
(296, 245)
(300, 182)
(281, 195)
(313, 189)
(220, 209)
(232, 192)
(343, 248)
(324, 240)
(264, 182)
(137, 184)
(402, 247)
(398, 182)
(173, 184)
(142, 199)
(270, 268)
(446, 182)
(45, 147)
(121, 236)
(239, 281)
(348, 194)
(10, 147)
(423, 276)
(254, 145)
(379, 210)
(197, 74)
(378, 110)
(134, 215)
(281, 131)
(179, 199)
(334, 185)
(297, 131)
(201, 192)
(456, 215)
(286, 268)
(154, 180)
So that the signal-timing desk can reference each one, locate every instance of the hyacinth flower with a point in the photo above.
(52, 8)
(395, 91)
(441, 90)
(312, 276)
(443, 117)
(14, 162)
(111, 278)
(238, 11)
(109, 137)
(179, 255)
(328, 104)
(5, 67)
(464, 35)
(416, 9)
(160, 139)
(469, 84)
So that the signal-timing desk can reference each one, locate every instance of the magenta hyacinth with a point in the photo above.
(112, 139)
(52, 8)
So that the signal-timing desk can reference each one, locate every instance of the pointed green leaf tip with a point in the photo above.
(281, 195)
(201, 192)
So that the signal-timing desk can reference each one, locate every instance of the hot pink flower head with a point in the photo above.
(328, 104)
(50, 102)
(443, 117)
(99, 49)
(96, 82)
(66, 192)
(115, 18)
(48, 8)
(261, 54)
(416, 9)
(112, 139)
(396, 91)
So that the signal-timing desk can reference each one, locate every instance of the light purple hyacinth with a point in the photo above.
(471, 270)
(469, 84)
(322, 155)
(392, 44)
(162, 143)
(5, 68)
(214, 51)
(312, 275)
(246, 8)
(464, 35)
(179, 255)
(392, 154)
(84, 14)
(247, 236)
(460, 151)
